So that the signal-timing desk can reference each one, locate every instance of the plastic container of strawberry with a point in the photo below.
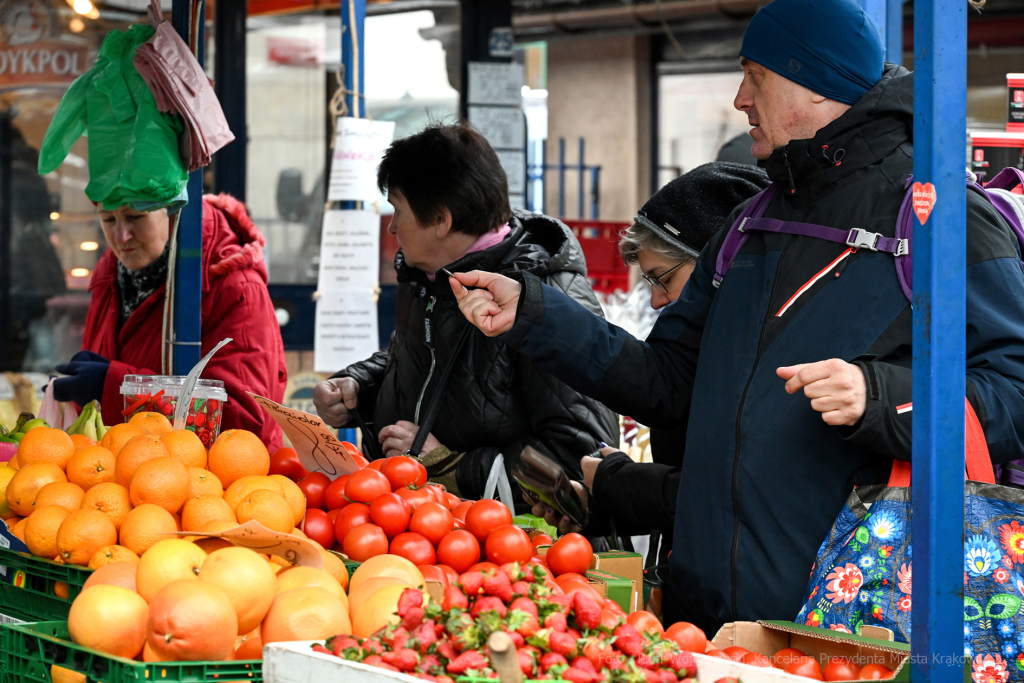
(160, 393)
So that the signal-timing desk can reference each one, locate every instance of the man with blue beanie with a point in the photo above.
(768, 466)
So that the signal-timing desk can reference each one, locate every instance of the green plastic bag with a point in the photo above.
(133, 147)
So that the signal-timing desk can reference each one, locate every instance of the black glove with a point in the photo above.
(88, 373)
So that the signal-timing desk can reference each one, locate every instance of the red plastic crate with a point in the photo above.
(600, 242)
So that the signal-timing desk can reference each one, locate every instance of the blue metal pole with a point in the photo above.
(561, 177)
(595, 189)
(581, 172)
(940, 122)
(876, 10)
(353, 16)
(894, 31)
(188, 275)
(544, 176)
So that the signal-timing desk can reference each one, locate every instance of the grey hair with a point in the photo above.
(638, 237)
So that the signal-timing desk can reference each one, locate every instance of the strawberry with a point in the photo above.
(587, 612)
(576, 635)
(425, 677)
(339, 644)
(372, 647)
(645, 661)
(563, 601)
(445, 649)
(582, 662)
(429, 663)
(552, 659)
(524, 605)
(628, 640)
(574, 675)
(499, 586)
(489, 603)
(410, 598)
(445, 679)
(453, 598)
(667, 676)
(403, 660)
(562, 643)
(373, 660)
(513, 571)
(526, 664)
(317, 647)
(517, 639)
(425, 635)
(651, 676)
(470, 659)
(472, 582)
(684, 664)
(398, 637)
(413, 617)
(555, 620)
(521, 588)
(528, 627)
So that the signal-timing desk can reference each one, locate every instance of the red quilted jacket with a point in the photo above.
(236, 304)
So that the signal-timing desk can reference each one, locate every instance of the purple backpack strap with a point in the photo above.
(858, 238)
(735, 238)
(905, 232)
(1010, 206)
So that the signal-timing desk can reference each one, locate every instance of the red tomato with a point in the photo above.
(610, 619)
(376, 464)
(452, 500)
(874, 672)
(508, 544)
(719, 654)
(391, 514)
(541, 539)
(333, 516)
(414, 548)
(570, 587)
(727, 679)
(433, 572)
(313, 487)
(355, 454)
(349, 518)
(460, 510)
(286, 461)
(484, 567)
(571, 576)
(841, 669)
(736, 653)
(613, 606)
(459, 524)
(319, 528)
(365, 485)
(485, 516)
(644, 621)
(458, 550)
(415, 497)
(688, 637)
(805, 666)
(433, 521)
(570, 553)
(365, 541)
(453, 575)
(403, 471)
(786, 656)
(756, 659)
(334, 494)
(438, 493)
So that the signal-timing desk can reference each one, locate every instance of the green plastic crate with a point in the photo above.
(29, 650)
(30, 595)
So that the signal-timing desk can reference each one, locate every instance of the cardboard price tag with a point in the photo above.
(255, 536)
(318, 449)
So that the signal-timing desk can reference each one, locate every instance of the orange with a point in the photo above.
(137, 451)
(13, 462)
(211, 543)
(82, 534)
(45, 444)
(248, 646)
(62, 493)
(238, 453)
(81, 440)
(360, 594)
(11, 521)
(379, 610)
(109, 498)
(161, 481)
(154, 423)
(144, 526)
(19, 529)
(203, 482)
(111, 554)
(294, 495)
(387, 565)
(308, 577)
(246, 579)
(114, 574)
(60, 589)
(110, 619)
(334, 566)
(23, 487)
(186, 447)
(198, 511)
(59, 674)
(305, 614)
(118, 435)
(172, 559)
(91, 465)
(267, 508)
(41, 529)
(240, 488)
(191, 620)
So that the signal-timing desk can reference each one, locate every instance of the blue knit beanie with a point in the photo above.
(828, 46)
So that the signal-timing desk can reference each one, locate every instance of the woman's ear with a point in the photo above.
(443, 225)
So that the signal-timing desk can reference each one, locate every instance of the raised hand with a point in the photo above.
(335, 399)
(491, 307)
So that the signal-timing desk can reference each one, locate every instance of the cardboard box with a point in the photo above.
(628, 566)
(768, 637)
(617, 588)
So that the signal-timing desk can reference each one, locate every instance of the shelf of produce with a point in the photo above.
(27, 651)
(27, 588)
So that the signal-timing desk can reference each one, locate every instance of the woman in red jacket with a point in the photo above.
(124, 326)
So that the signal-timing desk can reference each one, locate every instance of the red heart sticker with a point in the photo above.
(924, 201)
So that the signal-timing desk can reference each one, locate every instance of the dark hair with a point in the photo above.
(448, 167)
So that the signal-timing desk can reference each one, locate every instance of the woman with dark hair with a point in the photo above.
(452, 213)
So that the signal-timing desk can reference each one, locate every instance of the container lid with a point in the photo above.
(994, 138)
(1015, 79)
(171, 385)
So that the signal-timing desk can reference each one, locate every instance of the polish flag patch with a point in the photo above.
(905, 408)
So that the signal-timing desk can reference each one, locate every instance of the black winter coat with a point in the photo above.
(764, 476)
(496, 400)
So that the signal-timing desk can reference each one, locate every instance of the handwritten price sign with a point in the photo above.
(255, 536)
(318, 449)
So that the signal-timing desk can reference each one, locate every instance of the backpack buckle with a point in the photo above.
(862, 239)
(903, 248)
(742, 226)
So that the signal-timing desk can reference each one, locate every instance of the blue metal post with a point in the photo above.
(940, 121)
(581, 172)
(188, 279)
(595, 191)
(876, 10)
(561, 177)
(353, 16)
(544, 176)
(893, 31)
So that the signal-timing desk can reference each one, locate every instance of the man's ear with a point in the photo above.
(443, 224)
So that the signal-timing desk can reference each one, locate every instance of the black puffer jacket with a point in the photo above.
(496, 400)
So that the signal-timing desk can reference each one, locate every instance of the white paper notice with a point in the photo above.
(349, 250)
(357, 151)
(504, 127)
(346, 328)
(496, 83)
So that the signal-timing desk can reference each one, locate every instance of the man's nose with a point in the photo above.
(743, 101)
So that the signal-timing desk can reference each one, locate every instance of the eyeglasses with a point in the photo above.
(656, 282)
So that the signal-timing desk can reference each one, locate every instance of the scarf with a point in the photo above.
(137, 285)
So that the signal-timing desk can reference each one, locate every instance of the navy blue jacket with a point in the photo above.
(764, 477)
